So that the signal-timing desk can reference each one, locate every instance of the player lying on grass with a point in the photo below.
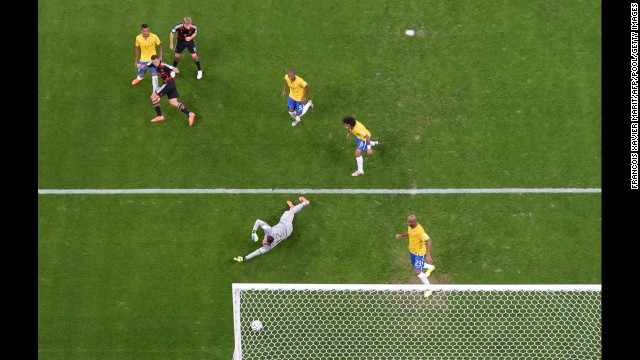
(273, 235)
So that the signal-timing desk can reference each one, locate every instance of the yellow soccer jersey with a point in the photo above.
(360, 131)
(296, 88)
(417, 240)
(147, 46)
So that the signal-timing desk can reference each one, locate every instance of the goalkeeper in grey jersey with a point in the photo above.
(273, 235)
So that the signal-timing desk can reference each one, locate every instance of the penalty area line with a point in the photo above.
(318, 191)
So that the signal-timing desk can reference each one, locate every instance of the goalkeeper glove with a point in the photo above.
(254, 236)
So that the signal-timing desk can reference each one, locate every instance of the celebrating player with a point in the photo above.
(274, 235)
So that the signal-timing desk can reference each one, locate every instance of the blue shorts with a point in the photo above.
(417, 260)
(361, 144)
(144, 71)
(296, 105)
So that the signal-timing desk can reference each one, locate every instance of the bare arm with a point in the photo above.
(160, 51)
(304, 95)
(137, 54)
(284, 89)
(171, 40)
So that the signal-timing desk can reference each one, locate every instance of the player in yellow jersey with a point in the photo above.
(145, 47)
(363, 141)
(419, 250)
(297, 101)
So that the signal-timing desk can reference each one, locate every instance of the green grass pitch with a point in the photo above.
(487, 94)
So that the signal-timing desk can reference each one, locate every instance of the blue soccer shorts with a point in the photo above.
(296, 105)
(417, 260)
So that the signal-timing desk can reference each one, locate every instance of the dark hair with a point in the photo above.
(144, 26)
(153, 57)
(269, 239)
(349, 120)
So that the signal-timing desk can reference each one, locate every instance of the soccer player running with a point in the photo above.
(145, 47)
(297, 100)
(363, 141)
(273, 235)
(419, 249)
(168, 88)
(187, 32)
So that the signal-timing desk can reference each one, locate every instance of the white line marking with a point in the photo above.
(318, 191)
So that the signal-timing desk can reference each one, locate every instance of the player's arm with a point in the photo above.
(429, 260)
(284, 89)
(171, 40)
(160, 51)
(304, 95)
(137, 54)
(193, 36)
(400, 236)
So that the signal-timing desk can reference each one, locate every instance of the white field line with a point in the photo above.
(318, 191)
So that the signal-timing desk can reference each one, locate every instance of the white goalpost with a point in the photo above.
(363, 321)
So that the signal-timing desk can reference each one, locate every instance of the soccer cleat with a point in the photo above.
(357, 173)
(374, 143)
(428, 272)
(428, 293)
(158, 119)
(192, 117)
(135, 81)
(295, 122)
(304, 200)
(239, 259)
(199, 75)
(310, 104)
(290, 204)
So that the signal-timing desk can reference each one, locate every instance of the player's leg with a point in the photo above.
(178, 52)
(361, 145)
(429, 268)
(418, 261)
(173, 100)
(303, 202)
(298, 111)
(196, 58)
(140, 76)
(306, 107)
(155, 100)
(154, 78)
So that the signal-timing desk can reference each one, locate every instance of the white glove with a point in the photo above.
(254, 236)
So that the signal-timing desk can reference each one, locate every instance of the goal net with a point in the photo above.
(330, 321)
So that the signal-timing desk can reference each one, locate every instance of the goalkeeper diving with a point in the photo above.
(273, 235)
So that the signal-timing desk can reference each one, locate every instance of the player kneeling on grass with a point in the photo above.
(168, 88)
(274, 235)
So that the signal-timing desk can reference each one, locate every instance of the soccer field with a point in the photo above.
(486, 101)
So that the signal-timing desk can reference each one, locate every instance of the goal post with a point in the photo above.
(367, 321)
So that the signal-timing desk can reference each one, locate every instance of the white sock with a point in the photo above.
(139, 78)
(423, 278)
(293, 114)
(154, 82)
(428, 266)
(305, 108)
(360, 164)
(373, 143)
